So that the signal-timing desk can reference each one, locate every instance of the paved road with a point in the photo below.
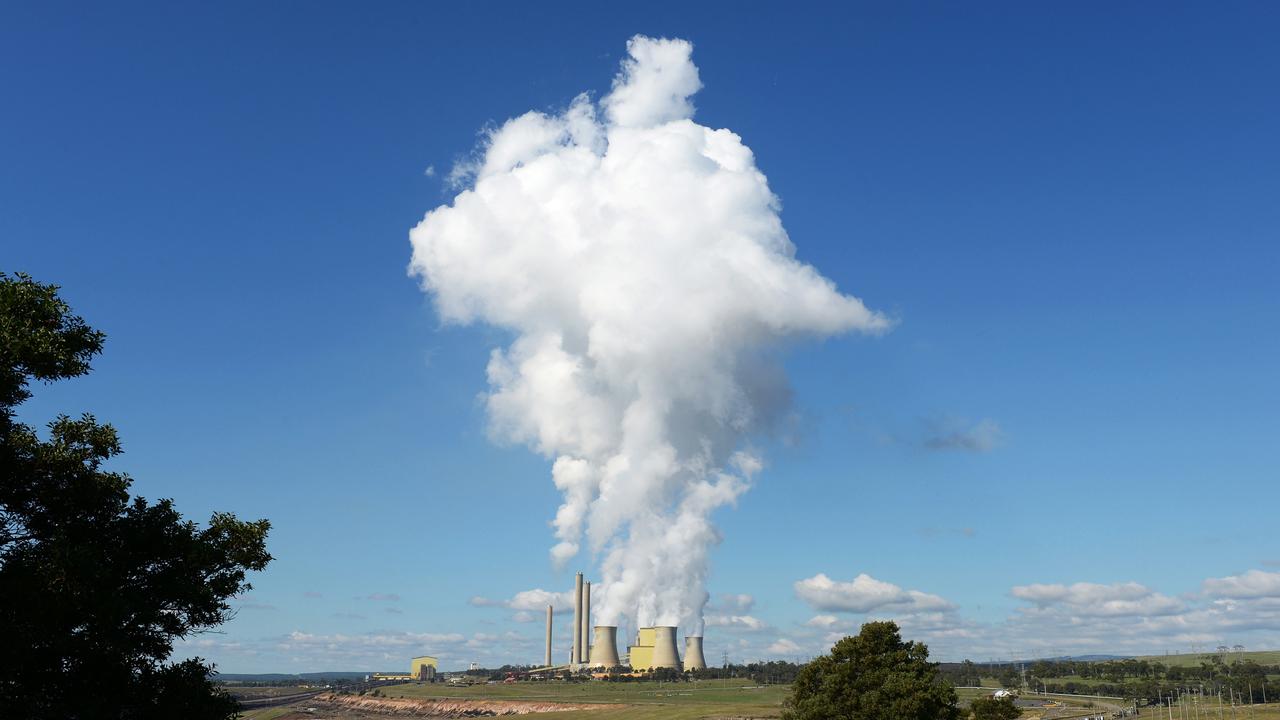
(262, 702)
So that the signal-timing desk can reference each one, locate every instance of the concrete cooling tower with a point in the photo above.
(665, 654)
(693, 659)
(604, 648)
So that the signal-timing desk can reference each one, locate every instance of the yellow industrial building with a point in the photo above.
(422, 667)
(656, 648)
(640, 655)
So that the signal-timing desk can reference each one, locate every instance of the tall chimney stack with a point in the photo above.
(575, 654)
(586, 623)
(548, 658)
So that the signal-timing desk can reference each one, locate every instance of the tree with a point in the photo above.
(1009, 677)
(873, 676)
(990, 708)
(95, 586)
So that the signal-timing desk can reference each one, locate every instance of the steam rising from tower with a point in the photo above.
(639, 262)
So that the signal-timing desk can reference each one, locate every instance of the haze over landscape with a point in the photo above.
(772, 324)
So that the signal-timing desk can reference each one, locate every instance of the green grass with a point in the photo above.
(644, 700)
(1210, 711)
(1262, 657)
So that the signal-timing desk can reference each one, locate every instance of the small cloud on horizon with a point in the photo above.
(785, 646)
(737, 622)
(529, 601)
(865, 594)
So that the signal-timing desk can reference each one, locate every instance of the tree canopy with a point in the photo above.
(991, 708)
(96, 585)
(874, 675)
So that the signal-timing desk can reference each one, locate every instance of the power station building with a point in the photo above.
(656, 648)
(422, 667)
(597, 647)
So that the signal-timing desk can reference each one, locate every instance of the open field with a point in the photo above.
(1211, 711)
(1262, 657)
(679, 701)
(715, 699)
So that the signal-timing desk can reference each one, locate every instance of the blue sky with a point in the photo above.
(1070, 212)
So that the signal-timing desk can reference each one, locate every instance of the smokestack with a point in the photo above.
(664, 647)
(575, 653)
(693, 659)
(604, 650)
(586, 622)
(548, 662)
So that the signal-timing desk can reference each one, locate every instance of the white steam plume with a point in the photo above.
(641, 265)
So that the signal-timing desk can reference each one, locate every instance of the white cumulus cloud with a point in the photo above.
(639, 262)
(738, 622)
(530, 601)
(865, 594)
(1252, 584)
(785, 646)
(1085, 598)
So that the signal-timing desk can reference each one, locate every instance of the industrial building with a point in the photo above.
(597, 647)
(423, 667)
(655, 648)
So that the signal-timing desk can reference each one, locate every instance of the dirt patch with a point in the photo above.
(443, 708)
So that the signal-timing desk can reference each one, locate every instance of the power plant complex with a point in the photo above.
(597, 647)
(593, 648)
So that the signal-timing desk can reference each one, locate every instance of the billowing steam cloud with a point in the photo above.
(640, 263)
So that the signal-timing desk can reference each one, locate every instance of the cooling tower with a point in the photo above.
(693, 659)
(604, 648)
(664, 647)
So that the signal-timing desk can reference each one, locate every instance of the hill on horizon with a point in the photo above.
(1262, 657)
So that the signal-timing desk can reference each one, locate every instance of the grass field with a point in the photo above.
(1262, 657)
(736, 699)
(645, 701)
(1211, 711)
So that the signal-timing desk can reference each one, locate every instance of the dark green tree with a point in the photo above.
(95, 585)
(990, 708)
(873, 676)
